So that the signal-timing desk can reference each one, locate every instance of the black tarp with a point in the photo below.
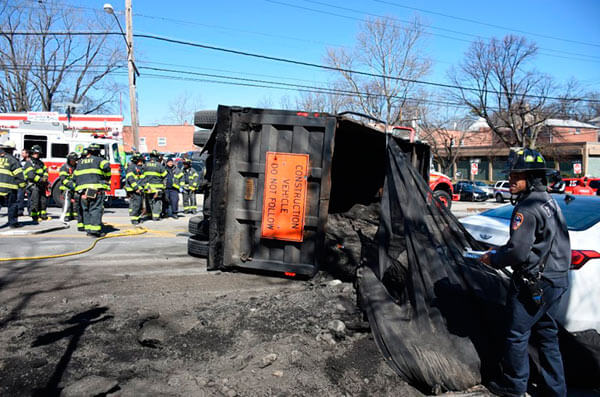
(437, 317)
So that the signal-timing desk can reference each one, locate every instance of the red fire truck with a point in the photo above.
(56, 143)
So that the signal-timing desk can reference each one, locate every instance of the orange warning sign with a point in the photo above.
(284, 198)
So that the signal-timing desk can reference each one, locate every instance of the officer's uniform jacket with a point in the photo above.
(537, 229)
(11, 174)
(173, 178)
(65, 177)
(133, 177)
(35, 170)
(190, 180)
(92, 173)
(154, 174)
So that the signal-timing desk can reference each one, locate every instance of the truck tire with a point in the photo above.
(197, 247)
(58, 196)
(205, 119)
(201, 137)
(443, 197)
(194, 224)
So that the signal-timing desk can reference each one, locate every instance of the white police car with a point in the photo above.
(580, 308)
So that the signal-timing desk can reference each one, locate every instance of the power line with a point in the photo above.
(409, 22)
(307, 64)
(588, 58)
(484, 23)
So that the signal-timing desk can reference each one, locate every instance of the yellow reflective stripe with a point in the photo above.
(90, 186)
(9, 185)
(28, 170)
(129, 174)
(17, 171)
(152, 173)
(88, 171)
(63, 173)
(6, 172)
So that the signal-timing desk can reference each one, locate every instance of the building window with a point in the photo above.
(42, 141)
(161, 141)
(142, 140)
(577, 131)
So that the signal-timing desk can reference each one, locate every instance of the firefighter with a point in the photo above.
(133, 180)
(11, 180)
(92, 177)
(21, 194)
(539, 253)
(189, 185)
(153, 174)
(67, 185)
(36, 176)
(172, 185)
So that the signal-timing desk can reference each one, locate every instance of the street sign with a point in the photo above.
(474, 168)
(577, 168)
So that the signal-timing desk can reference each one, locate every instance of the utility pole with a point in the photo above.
(132, 76)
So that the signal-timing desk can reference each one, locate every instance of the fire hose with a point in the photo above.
(132, 232)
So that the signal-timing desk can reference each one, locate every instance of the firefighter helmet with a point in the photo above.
(154, 154)
(73, 156)
(10, 145)
(525, 160)
(94, 148)
(36, 149)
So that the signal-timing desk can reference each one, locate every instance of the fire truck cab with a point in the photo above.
(57, 143)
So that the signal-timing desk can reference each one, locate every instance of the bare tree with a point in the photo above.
(498, 86)
(322, 102)
(386, 48)
(567, 108)
(39, 70)
(445, 132)
(183, 107)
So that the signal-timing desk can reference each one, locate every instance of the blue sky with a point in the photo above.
(567, 32)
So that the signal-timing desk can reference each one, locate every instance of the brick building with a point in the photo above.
(562, 142)
(164, 138)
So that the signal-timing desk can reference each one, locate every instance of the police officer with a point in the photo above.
(92, 175)
(11, 180)
(172, 185)
(153, 174)
(67, 185)
(133, 179)
(539, 253)
(36, 175)
(189, 185)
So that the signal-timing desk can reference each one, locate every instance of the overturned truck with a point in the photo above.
(288, 192)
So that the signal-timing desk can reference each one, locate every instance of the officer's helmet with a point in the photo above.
(72, 156)
(154, 154)
(526, 160)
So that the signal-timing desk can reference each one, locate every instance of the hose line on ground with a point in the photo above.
(131, 232)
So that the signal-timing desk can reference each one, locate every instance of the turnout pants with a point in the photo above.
(189, 201)
(37, 202)
(10, 201)
(156, 204)
(92, 213)
(72, 209)
(135, 206)
(542, 327)
(79, 209)
(21, 200)
(173, 200)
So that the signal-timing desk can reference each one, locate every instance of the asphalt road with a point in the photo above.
(131, 276)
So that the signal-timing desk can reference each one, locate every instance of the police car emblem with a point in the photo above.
(517, 221)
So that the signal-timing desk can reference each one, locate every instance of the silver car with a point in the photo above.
(502, 191)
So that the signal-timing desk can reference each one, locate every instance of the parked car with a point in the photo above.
(579, 309)
(485, 187)
(502, 191)
(469, 192)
